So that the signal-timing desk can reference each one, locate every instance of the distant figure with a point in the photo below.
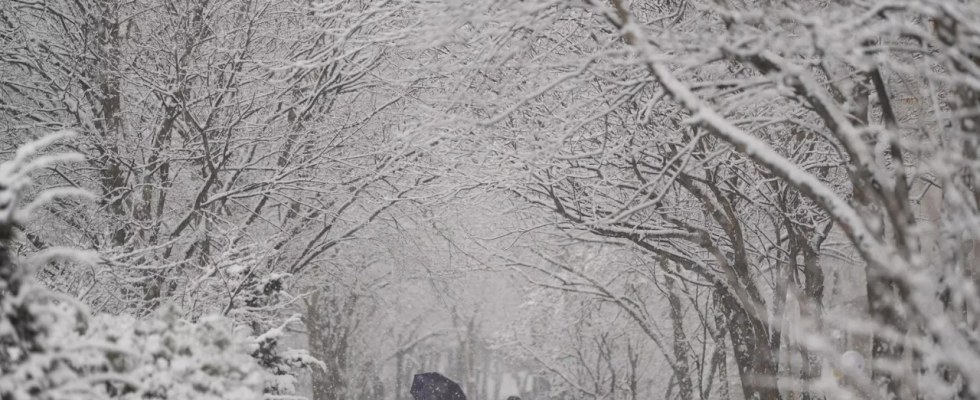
(851, 364)
(852, 360)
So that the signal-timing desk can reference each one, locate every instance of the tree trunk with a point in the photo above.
(685, 389)
(757, 365)
(811, 307)
(328, 343)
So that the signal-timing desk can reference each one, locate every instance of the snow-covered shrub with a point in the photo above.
(281, 364)
(171, 358)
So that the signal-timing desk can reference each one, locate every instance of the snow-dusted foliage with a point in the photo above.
(35, 359)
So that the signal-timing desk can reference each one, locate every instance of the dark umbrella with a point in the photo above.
(434, 386)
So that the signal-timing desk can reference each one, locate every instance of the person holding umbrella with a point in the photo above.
(435, 386)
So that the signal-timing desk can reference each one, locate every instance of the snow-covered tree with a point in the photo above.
(756, 147)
